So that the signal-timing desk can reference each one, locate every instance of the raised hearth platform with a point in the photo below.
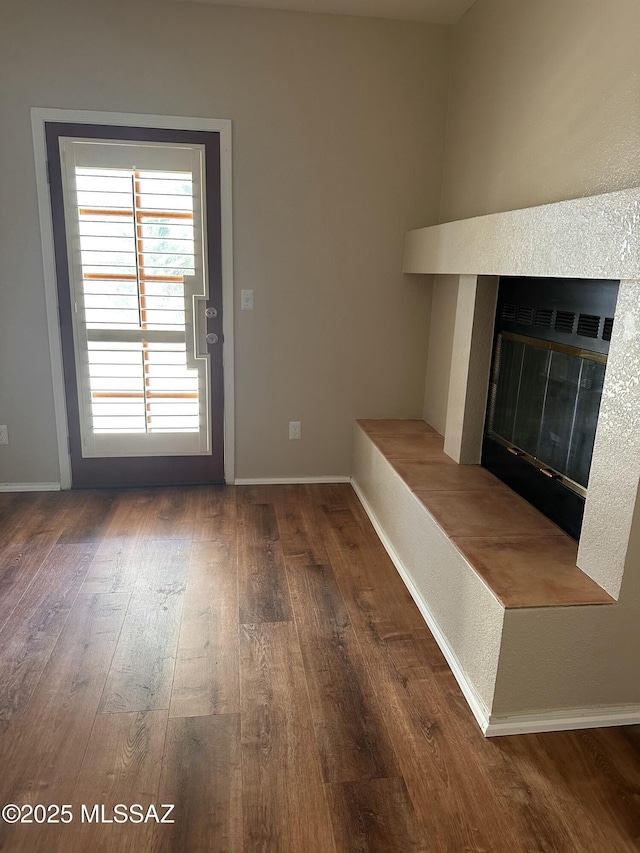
(495, 580)
(522, 557)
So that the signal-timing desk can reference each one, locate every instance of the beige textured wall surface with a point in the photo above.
(470, 366)
(614, 478)
(338, 127)
(443, 317)
(545, 104)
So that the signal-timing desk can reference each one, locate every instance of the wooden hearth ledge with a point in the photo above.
(521, 556)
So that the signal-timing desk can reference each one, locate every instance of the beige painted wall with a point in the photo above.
(545, 104)
(338, 128)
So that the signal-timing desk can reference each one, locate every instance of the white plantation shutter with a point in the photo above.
(136, 257)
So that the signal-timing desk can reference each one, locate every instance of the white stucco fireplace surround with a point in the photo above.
(538, 668)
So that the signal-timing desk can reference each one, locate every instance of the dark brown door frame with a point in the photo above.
(153, 470)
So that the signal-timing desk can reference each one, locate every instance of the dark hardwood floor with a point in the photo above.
(251, 656)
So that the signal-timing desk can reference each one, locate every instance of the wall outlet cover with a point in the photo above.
(295, 429)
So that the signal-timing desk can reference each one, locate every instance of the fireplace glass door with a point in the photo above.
(550, 352)
(546, 404)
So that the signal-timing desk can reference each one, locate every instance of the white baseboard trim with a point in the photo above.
(29, 487)
(561, 721)
(288, 481)
(478, 708)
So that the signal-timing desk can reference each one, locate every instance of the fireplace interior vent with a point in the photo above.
(544, 318)
(607, 328)
(588, 325)
(564, 321)
(525, 315)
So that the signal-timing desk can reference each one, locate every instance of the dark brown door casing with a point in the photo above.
(146, 470)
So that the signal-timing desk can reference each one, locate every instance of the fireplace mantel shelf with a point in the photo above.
(522, 557)
(593, 237)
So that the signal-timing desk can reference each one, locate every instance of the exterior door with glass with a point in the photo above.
(136, 216)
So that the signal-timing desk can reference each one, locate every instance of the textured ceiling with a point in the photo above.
(432, 11)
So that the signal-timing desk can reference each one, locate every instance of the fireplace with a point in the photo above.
(549, 360)
(592, 238)
(544, 667)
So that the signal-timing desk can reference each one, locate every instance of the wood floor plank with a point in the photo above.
(375, 816)
(364, 570)
(172, 513)
(123, 758)
(299, 534)
(14, 507)
(32, 524)
(43, 750)
(262, 580)
(32, 630)
(206, 678)
(568, 808)
(267, 493)
(202, 777)
(114, 567)
(444, 766)
(166, 512)
(351, 733)
(87, 514)
(142, 670)
(616, 752)
(121, 765)
(215, 512)
(285, 808)
(133, 513)
(19, 565)
(332, 496)
(28, 513)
